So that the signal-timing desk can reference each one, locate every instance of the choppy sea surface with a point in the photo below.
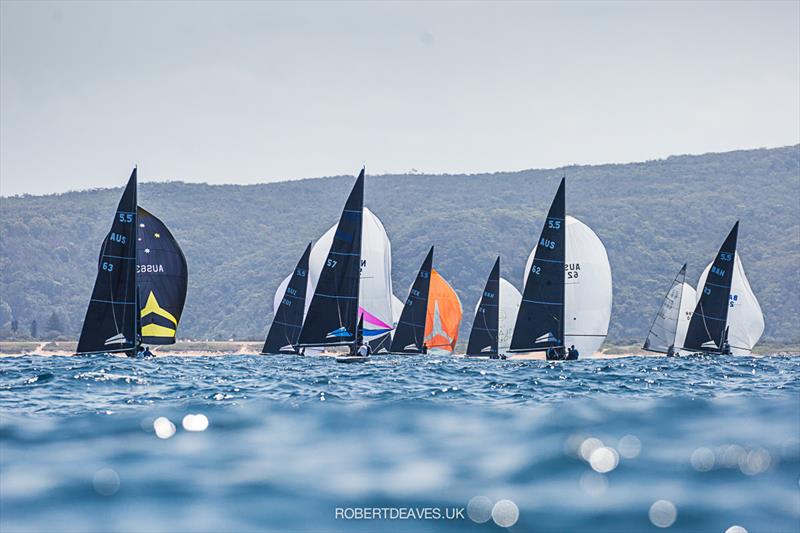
(249, 443)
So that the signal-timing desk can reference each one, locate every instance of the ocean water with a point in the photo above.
(247, 443)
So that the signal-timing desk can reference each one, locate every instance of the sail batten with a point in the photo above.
(333, 312)
(411, 325)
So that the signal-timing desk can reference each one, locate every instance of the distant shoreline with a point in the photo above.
(219, 348)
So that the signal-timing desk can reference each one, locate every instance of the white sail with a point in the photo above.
(375, 294)
(688, 303)
(587, 291)
(397, 309)
(745, 319)
(510, 298)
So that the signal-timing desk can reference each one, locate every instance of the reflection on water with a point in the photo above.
(255, 443)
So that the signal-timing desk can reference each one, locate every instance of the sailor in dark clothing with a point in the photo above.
(671, 350)
(424, 348)
(726, 348)
(572, 354)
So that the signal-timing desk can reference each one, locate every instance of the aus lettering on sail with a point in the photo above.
(150, 269)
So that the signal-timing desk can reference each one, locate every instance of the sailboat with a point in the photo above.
(409, 336)
(333, 312)
(727, 318)
(483, 328)
(567, 295)
(484, 336)
(431, 316)
(288, 320)
(141, 283)
(375, 293)
(668, 331)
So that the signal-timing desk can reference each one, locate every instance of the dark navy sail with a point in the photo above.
(110, 324)
(333, 313)
(162, 278)
(484, 334)
(380, 345)
(360, 332)
(661, 337)
(285, 329)
(540, 321)
(707, 328)
(409, 335)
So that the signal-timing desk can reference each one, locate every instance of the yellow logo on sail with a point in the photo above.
(154, 330)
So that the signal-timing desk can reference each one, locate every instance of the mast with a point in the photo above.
(540, 321)
(664, 329)
(707, 327)
(111, 323)
(288, 317)
(483, 339)
(410, 333)
(333, 313)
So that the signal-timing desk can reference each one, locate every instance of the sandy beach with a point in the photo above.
(222, 348)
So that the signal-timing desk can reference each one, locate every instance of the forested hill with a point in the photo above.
(240, 241)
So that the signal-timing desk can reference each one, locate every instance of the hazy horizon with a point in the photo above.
(126, 173)
(256, 92)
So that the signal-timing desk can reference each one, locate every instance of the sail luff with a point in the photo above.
(411, 325)
(706, 330)
(287, 321)
(483, 338)
(540, 321)
(333, 313)
(110, 324)
(663, 330)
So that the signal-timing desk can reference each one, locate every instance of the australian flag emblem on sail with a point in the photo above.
(341, 332)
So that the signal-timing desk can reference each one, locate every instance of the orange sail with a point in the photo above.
(444, 315)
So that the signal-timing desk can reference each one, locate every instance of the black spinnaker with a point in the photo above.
(540, 321)
(707, 328)
(110, 324)
(409, 336)
(483, 338)
(285, 329)
(162, 278)
(333, 314)
(665, 325)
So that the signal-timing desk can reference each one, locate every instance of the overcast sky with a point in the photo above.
(255, 91)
